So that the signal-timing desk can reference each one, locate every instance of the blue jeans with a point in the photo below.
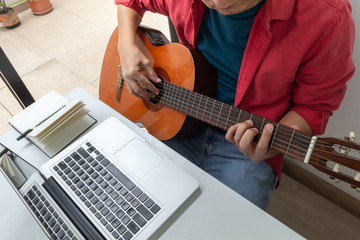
(210, 151)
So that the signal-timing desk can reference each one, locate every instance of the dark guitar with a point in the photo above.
(181, 100)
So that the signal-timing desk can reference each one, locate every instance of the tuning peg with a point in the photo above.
(344, 151)
(336, 169)
(352, 137)
(356, 178)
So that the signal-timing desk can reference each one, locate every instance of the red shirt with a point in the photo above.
(298, 56)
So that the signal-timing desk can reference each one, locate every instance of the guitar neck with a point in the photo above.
(285, 139)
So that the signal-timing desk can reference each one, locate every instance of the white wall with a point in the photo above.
(347, 118)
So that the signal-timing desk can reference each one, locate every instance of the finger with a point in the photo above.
(146, 85)
(231, 133)
(240, 131)
(136, 89)
(245, 144)
(151, 74)
(262, 147)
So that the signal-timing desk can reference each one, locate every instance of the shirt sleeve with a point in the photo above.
(320, 82)
(141, 6)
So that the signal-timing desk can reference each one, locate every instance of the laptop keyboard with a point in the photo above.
(121, 207)
(47, 215)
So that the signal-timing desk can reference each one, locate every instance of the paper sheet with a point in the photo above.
(12, 171)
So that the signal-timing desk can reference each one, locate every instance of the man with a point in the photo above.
(287, 61)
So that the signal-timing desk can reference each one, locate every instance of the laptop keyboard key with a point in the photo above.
(149, 203)
(82, 152)
(75, 156)
(127, 235)
(120, 176)
(155, 209)
(143, 211)
(133, 227)
(121, 229)
(139, 220)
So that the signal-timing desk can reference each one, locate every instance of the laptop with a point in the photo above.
(108, 184)
(14, 212)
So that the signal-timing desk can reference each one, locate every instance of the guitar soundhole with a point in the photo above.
(154, 104)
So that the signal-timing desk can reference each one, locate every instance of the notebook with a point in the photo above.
(108, 184)
(52, 122)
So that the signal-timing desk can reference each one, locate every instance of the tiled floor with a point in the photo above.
(65, 48)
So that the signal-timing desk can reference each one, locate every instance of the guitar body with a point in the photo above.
(173, 63)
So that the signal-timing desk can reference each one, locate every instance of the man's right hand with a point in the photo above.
(138, 73)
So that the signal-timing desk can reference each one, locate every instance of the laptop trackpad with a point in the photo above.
(137, 157)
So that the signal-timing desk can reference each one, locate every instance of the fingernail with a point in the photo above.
(249, 122)
(269, 127)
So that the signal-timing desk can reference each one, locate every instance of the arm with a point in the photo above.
(242, 135)
(136, 67)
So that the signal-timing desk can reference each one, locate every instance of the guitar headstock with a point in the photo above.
(331, 154)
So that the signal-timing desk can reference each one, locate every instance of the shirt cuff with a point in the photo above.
(317, 119)
(132, 5)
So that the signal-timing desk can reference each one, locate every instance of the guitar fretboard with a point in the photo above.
(221, 115)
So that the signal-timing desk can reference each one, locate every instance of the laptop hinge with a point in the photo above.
(77, 217)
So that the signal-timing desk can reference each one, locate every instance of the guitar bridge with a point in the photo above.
(119, 85)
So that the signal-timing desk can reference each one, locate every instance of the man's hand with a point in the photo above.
(138, 73)
(242, 135)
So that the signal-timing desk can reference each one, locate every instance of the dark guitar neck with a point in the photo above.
(223, 116)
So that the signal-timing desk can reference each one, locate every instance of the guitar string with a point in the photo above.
(277, 139)
(286, 143)
(302, 151)
(217, 104)
(176, 99)
(315, 156)
(288, 130)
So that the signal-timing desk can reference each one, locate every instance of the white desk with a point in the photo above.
(215, 212)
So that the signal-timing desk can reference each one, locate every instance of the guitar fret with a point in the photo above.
(227, 120)
(288, 147)
(193, 104)
(169, 94)
(238, 120)
(183, 100)
(212, 109)
(217, 123)
(196, 108)
(276, 129)
(203, 117)
(199, 109)
(180, 103)
(261, 128)
(174, 97)
(165, 95)
(200, 101)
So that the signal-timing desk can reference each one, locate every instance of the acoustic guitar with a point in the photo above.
(182, 106)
